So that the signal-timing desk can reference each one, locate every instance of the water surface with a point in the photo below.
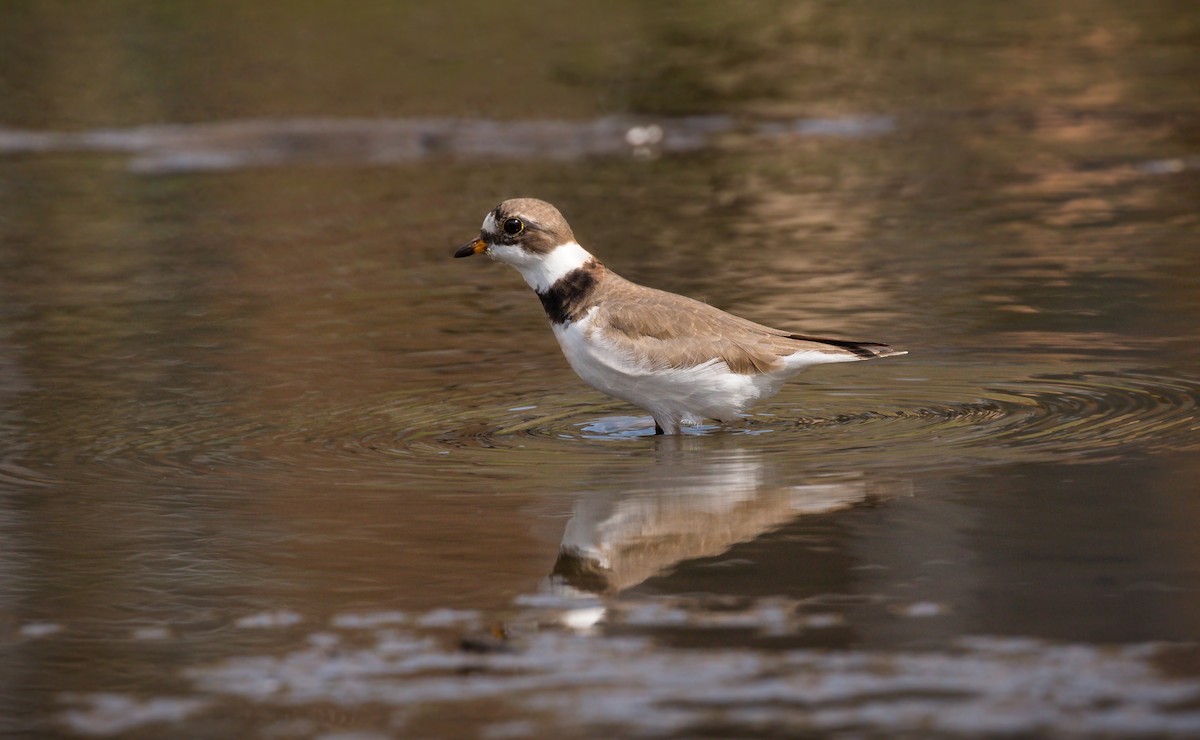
(274, 465)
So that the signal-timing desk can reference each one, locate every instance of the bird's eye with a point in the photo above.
(513, 226)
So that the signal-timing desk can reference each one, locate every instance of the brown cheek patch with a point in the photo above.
(538, 242)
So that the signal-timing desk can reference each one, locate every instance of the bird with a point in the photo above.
(680, 359)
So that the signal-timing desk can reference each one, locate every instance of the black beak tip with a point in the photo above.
(468, 249)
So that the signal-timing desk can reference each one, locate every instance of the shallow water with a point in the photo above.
(274, 465)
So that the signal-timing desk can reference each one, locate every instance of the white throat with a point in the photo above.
(542, 271)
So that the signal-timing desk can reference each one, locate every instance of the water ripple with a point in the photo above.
(1065, 417)
(1088, 415)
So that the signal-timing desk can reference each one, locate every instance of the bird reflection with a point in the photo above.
(694, 501)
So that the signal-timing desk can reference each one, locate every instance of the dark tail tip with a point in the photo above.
(865, 350)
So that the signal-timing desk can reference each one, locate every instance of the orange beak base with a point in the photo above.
(471, 248)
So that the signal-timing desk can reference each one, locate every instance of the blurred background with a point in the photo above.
(272, 464)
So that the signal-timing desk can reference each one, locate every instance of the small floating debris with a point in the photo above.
(496, 640)
(1170, 166)
(919, 609)
(150, 633)
(36, 630)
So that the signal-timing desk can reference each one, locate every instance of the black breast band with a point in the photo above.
(564, 301)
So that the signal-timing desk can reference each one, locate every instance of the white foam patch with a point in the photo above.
(369, 620)
(112, 714)
(625, 686)
(449, 618)
(269, 620)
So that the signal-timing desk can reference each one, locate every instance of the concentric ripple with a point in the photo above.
(1085, 416)
(1079, 416)
(910, 423)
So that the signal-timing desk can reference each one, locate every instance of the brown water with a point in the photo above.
(274, 465)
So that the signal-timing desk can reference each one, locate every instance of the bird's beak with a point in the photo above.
(470, 248)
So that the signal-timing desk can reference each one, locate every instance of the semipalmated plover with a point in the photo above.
(678, 358)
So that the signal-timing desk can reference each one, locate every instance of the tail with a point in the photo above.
(864, 350)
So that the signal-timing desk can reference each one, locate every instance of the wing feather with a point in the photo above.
(673, 331)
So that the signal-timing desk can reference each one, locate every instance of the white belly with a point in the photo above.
(706, 391)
